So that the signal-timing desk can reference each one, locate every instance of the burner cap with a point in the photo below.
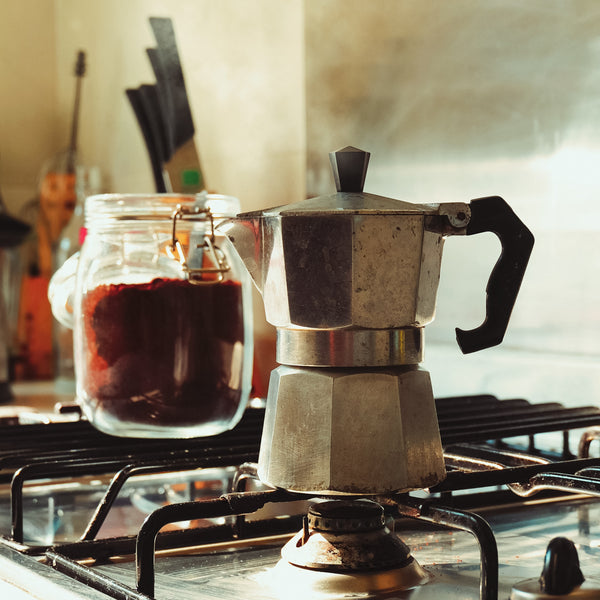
(346, 516)
(346, 536)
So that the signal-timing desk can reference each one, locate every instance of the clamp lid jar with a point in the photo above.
(162, 316)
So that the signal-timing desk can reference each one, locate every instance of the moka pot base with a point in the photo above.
(336, 431)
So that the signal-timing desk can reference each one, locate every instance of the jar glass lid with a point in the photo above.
(102, 208)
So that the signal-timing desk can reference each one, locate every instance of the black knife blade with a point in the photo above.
(135, 99)
(170, 74)
(165, 103)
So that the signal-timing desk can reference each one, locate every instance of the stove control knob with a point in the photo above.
(561, 577)
(561, 573)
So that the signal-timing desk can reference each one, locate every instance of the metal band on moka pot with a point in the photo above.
(350, 347)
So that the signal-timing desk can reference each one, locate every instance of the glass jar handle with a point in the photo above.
(60, 291)
(193, 265)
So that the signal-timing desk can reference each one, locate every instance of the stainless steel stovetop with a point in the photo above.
(450, 557)
(82, 512)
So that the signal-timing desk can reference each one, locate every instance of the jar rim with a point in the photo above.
(101, 208)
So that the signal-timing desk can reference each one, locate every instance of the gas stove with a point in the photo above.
(86, 515)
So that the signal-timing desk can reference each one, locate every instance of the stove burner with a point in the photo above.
(346, 535)
(345, 546)
(346, 516)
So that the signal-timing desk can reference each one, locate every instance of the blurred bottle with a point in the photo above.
(12, 233)
(51, 210)
(88, 181)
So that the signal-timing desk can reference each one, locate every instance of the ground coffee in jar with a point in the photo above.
(180, 371)
(160, 353)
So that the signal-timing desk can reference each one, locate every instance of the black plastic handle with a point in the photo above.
(495, 215)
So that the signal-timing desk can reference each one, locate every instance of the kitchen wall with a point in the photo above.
(455, 100)
(28, 98)
(464, 99)
(243, 64)
(244, 68)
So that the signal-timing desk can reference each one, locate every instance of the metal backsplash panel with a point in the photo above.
(464, 99)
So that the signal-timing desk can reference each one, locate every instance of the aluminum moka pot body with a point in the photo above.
(350, 280)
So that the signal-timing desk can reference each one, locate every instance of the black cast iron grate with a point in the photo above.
(473, 431)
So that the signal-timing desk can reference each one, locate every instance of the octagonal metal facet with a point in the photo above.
(343, 270)
(335, 431)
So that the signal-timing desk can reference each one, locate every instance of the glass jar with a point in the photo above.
(162, 315)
